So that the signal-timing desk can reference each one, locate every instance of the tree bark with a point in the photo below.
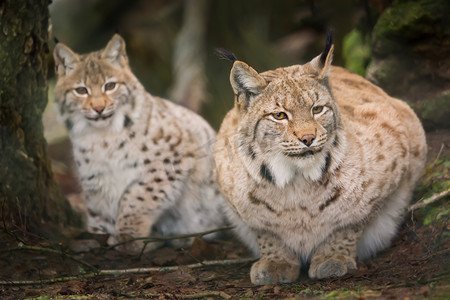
(29, 197)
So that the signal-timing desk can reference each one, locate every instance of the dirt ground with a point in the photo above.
(415, 267)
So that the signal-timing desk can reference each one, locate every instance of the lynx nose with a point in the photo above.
(308, 139)
(99, 109)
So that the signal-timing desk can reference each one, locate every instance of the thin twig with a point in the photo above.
(53, 251)
(200, 295)
(429, 200)
(169, 238)
(438, 155)
(210, 263)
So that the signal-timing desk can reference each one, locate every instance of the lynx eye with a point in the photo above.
(317, 109)
(110, 86)
(279, 116)
(81, 90)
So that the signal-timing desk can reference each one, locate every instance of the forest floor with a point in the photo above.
(415, 267)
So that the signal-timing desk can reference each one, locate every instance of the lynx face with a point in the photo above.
(289, 119)
(94, 88)
(294, 121)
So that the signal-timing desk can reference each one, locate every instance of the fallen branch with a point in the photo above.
(172, 237)
(210, 263)
(200, 295)
(53, 251)
(429, 200)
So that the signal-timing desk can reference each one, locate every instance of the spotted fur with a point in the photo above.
(144, 163)
(318, 164)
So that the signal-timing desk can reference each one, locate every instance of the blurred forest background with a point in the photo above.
(401, 45)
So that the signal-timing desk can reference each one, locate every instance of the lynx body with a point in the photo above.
(318, 164)
(144, 163)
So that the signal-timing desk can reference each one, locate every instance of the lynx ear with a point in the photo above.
(64, 59)
(115, 51)
(246, 81)
(320, 66)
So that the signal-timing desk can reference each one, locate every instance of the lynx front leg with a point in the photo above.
(139, 210)
(277, 264)
(336, 256)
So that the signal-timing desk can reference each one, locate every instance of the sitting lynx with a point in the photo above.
(319, 163)
(144, 163)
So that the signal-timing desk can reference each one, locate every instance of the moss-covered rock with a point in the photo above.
(410, 57)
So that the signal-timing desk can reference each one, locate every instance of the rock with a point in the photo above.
(410, 57)
(83, 245)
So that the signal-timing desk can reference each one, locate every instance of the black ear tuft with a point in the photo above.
(56, 40)
(117, 30)
(225, 54)
(328, 44)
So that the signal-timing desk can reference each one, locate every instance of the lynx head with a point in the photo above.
(95, 89)
(288, 119)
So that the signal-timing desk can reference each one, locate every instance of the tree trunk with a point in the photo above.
(29, 198)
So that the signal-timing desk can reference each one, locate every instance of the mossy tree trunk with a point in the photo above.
(29, 198)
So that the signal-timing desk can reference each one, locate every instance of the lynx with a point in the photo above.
(318, 164)
(145, 164)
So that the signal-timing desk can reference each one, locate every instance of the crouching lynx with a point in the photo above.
(145, 164)
(318, 163)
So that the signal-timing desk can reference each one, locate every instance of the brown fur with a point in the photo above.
(343, 195)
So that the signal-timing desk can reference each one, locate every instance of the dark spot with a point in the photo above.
(158, 153)
(78, 163)
(167, 138)
(348, 109)
(91, 177)
(176, 154)
(265, 173)
(336, 141)
(327, 163)
(166, 161)
(394, 165)
(255, 128)
(158, 180)
(144, 148)
(152, 170)
(146, 161)
(127, 121)
(380, 157)
(140, 198)
(105, 145)
(257, 201)
(155, 198)
(121, 145)
(177, 171)
(86, 160)
(132, 134)
(250, 152)
(365, 184)
(369, 115)
(141, 183)
(171, 178)
(332, 199)
(176, 162)
(149, 189)
(68, 124)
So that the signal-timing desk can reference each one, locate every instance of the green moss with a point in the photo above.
(411, 21)
(436, 108)
(356, 52)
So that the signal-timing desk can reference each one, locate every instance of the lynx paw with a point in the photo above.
(273, 272)
(331, 265)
